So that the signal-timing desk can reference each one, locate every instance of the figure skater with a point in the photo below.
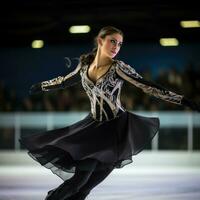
(109, 135)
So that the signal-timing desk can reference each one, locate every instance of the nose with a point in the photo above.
(114, 48)
(116, 45)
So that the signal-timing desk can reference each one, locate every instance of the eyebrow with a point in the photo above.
(116, 40)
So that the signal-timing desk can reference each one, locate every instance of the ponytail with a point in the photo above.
(88, 58)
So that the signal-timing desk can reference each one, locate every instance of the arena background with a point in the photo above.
(169, 168)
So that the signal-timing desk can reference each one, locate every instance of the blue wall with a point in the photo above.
(21, 67)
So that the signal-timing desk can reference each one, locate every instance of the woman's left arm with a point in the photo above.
(129, 74)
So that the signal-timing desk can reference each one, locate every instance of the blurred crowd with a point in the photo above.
(185, 82)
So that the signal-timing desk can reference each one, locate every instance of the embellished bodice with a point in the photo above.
(104, 94)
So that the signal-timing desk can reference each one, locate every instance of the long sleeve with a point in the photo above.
(62, 82)
(129, 74)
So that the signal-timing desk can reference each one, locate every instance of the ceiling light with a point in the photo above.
(190, 24)
(169, 42)
(37, 44)
(79, 29)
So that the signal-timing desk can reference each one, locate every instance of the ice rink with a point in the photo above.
(133, 182)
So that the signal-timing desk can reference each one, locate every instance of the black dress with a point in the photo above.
(109, 133)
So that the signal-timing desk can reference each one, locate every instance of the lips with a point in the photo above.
(114, 52)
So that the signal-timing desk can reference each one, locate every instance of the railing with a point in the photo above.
(50, 120)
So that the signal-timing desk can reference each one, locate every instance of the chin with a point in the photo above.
(111, 55)
(114, 55)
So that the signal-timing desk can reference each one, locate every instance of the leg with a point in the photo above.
(96, 178)
(72, 185)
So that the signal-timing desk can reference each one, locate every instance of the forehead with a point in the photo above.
(116, 36)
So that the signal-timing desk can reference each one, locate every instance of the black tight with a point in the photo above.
(96, 178)
(80, 185)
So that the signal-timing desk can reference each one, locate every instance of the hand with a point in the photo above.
(192, 105)
(35, 89)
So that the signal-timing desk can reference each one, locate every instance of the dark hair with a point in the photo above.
(88, 58)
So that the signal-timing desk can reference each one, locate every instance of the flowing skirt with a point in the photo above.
(112, 143)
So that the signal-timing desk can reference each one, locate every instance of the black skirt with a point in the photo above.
(112, 143)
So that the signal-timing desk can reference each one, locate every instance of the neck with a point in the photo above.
(101, 60)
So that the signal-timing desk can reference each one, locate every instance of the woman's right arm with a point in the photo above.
(59, 82)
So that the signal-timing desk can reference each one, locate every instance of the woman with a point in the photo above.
(108, 136)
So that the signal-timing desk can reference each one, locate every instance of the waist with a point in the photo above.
(105, 116)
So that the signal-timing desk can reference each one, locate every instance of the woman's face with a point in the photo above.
(111, 44)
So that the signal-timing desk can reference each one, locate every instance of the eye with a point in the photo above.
(113, 41)
(120, 44)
